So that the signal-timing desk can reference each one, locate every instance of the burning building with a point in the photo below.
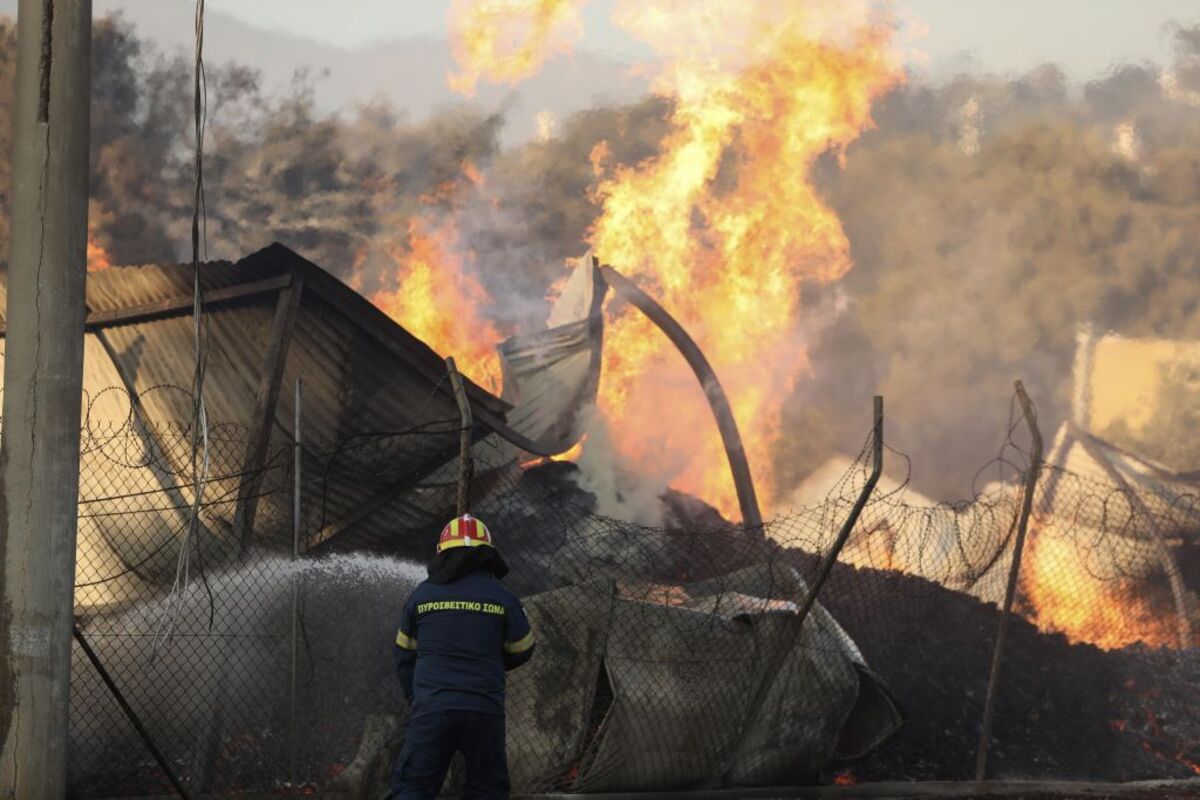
(179, 611)
(672, 657)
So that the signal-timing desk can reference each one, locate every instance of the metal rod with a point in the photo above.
(466, 468)
(810, 598)
(134, 720)
(43, 379)
(848, 526)
(1014, 572)
(297, 459)
(297, 465)
(739, 466)
(1169, 563)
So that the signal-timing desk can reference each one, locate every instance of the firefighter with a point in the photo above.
(460, 631)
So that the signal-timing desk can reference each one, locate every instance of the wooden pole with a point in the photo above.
(466, 467)
(43, 377)
(739, 466)
(1014, 573)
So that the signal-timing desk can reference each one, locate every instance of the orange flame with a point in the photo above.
(437, 301)
(505, 41)
(97, 256)
(725, 224)
(570, 454)
(1065, 599)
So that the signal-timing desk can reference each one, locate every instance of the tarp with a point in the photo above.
(550, 375)
(679, 689)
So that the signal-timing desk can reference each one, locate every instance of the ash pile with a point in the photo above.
(668, 657)
(1064, 710)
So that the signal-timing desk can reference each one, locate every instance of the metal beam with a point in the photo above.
(183, 305)
(265, 403)
(151, 441)
(180, 305)
(1169, 564)
(387, 495)
(739, 466)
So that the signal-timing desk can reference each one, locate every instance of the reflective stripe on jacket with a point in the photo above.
(455, 642)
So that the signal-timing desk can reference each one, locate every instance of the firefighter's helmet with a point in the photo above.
(464, 531)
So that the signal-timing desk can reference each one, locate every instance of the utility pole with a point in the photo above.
(43, 376)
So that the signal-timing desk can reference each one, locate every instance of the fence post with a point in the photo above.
(1031, 479)
(297, 453)
(848, 526)
(810, 598)
(466, 468)
(130, 714)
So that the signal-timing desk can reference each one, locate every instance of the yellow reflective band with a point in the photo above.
(449, 543)
(521, 645)
(405, 641)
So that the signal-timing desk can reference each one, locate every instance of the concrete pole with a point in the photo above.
(43, 375)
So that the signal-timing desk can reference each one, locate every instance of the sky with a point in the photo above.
(1084, 36)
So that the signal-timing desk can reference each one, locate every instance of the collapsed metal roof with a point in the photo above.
(270, 319)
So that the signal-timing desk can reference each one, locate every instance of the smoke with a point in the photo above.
(975, 265)
(348, 618)
(335, 189)
(621, 490)
(987, 218)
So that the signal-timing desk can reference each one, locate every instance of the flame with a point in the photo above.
(1065, 599)
(571, 454)
(725, 224)
(97, 256)
(506, 41)
(437, 301)
(844, 778)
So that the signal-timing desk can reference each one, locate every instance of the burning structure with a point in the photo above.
(708, 226)
(664, 646)
(380, 440)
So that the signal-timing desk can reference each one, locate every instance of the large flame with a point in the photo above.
(437, 300)
(505, 41)
(1064, 598)
(725, 225)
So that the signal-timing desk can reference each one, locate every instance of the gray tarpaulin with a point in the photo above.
(660, 691)
(551, 374)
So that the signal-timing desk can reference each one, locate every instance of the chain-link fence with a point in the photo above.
(669, 656)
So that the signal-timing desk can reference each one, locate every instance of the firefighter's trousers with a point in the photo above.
(432, 741)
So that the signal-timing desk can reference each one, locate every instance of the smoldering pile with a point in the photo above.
(1065, 711)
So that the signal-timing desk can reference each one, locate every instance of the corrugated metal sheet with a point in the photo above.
(368, 386)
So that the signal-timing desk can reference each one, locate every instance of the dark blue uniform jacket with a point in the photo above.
(455, 642)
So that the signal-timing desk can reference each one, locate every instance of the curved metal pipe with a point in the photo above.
(717, 401)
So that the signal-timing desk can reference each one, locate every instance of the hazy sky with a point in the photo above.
(1084, 36)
